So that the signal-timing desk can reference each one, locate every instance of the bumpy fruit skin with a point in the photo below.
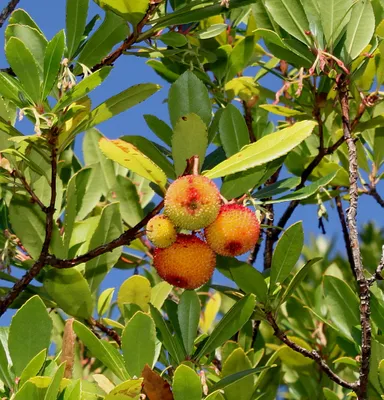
(188, 263)
(192, 202)
(161, 231)
(235, 231)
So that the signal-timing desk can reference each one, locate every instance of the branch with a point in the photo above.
(347, 242)
(314, 355)
(128, 42)
(378, 273)
(123, 240)
(363, 283)
(28, 188)
(374, 193)
(7, 11)
(248, 120)
(21, 284)
(304, 176)
(108, 331)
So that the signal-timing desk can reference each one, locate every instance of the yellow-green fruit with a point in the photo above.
(161, 231)
(235, 231)
(188, 263)
(192, 202)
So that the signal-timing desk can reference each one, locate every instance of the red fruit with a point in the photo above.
(188, 263)
(235, 231)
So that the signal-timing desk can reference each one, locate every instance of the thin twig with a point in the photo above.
(374, 193)
(340, 212)
(123, 240)
(108, 331)
(28, 188)
(21, 284)
(314, 355)
(7, 11)
(304, 176)
(378, 273)
(128, 42)
(362, 281)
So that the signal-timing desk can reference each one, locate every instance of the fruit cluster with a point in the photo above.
(193, 202)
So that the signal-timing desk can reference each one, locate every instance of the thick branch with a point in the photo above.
(363, 283)
(128, 42)
(347, 241)
(7, 11)
(21, 284)
(314, 355)
(249, 120)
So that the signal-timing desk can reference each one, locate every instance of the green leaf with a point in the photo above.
(21, 17)
(330, 394)
(159, 128)
(189, 95)
(130, 157)
(29, 333)
(11, 89)
(277, 188)
(212, 31)
(334, 17)
(117, 104)
(290, 15)
(109, 228)
(188, 312)
(190, 138)
(6, 373)
(125, 192)
(127, 390)
(132, 11)
(247, 278)
(230, 379)
(281, 110)
(342, 304)
(306, 191)
(76, 19)
(240, 56)
(286, 254)
(231, 323)
(102, 350)
(113, 30)
(33, 40)
(159, 293)
(52, 62)
(171, 343)
(58, 283)
(241, 389)
(297, 279)
(233, 130)
(54, 386)
(139, 343)
(135, 290)
(28, 223)
(268, 148)
(360, 28)
(33, 367)
(186, 384)
(150, 149)
(18, 57)
(104, 301)
(173, 39)
(381, 373)
(83, 88)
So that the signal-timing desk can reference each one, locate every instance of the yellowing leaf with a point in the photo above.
(268, 148)
(130, 389)
(291, 357)
(136, 290)
(127, 155)
(212, 307)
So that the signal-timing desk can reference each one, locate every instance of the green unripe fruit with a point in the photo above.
(161, 231)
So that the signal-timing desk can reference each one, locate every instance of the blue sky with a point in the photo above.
(128, 70)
